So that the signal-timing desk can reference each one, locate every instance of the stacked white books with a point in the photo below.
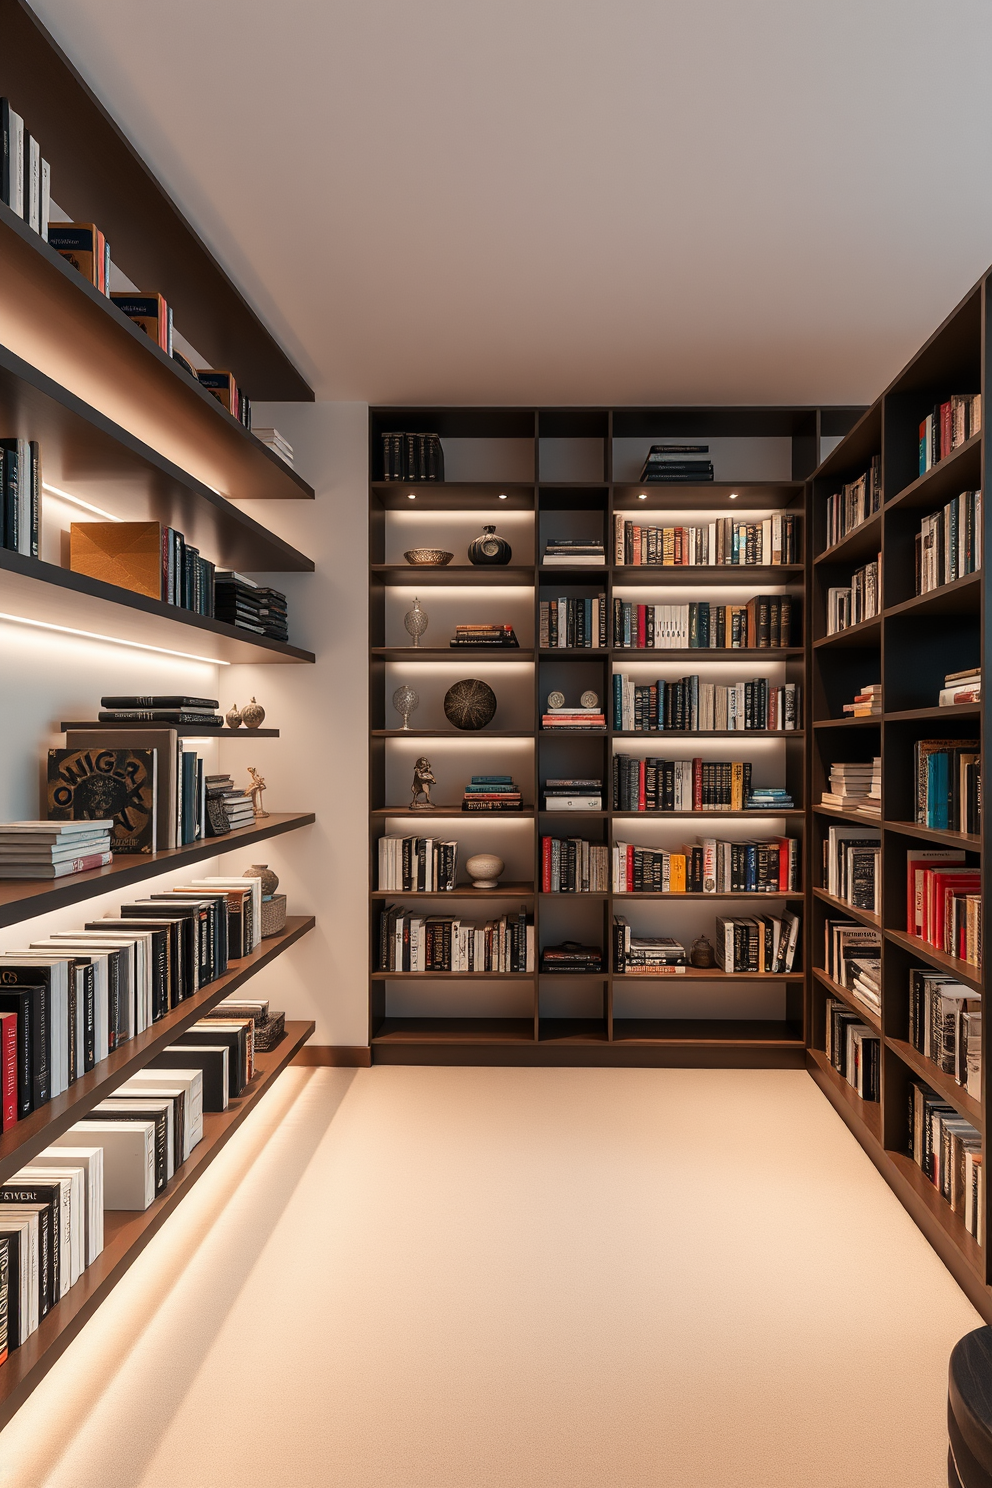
(53, 849)
(855, 787)
(276, 442)
(961, 687)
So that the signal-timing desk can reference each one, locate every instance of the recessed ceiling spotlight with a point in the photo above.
(411, 495)
(642, 496)
(733, 495)
(502, 495)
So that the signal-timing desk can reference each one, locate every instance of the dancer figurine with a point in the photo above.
(255, 791)
(423, 779)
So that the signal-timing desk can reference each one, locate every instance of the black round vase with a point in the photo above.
(489, 549)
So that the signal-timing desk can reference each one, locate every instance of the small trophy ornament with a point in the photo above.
(255, 791)
(423, 779)
(416, 621)
(406, 701)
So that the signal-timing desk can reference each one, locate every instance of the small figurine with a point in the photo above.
(423, 779)
(701, 953)
(255, 791)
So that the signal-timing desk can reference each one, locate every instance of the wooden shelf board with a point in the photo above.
(964, 971)
(425, 816)
(729, 1032)
(648, 575)
(870, 721)
(944, 480)
(859, 817)
(709, 974)
(41, 592)
(913, 1178)
(453, 495)
(705, 495)
(703, 653)
(185, 731)
(35, 1132)
(572, 573)
(945, 1085)
(456, 655)
(23, 899)
(451, 733)
(755, 815)
(452, 976)
(858, 1113)
(127, 1233)
(866, 633)
(847, 996)
(491, 577)
(751, 897)
(967, 840)
(921, 715)
(455, 1030)
(862, 541)
(572, 1031)
(460, 891)
(863, 916)
(79, 339)
(960, 597)
(741, 734)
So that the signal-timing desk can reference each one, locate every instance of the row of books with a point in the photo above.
(944, 902)
(948, 781)
(422, 865)
(743, 944)
(573, 622)
(851, 866)
(25, 175)
(853, 958)
(771, 541)
(77, 996)
(947, 427)
(573, 552)
(446, 943)
(949, 543)
(677, 464)
(849, 604)
(948, 1150)
(961, 687)
(945, 1025)
(854, 503)
(690, 706)
(42, 849)
(652, 784)
(412, 457)
(855, 786)
(571, 865)
(493, 636)
(767, 620)
(854, 1049)
(20, 489)
(492, 793)
(146, 558)
(708, 866)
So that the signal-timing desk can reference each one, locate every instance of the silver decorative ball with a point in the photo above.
(406, 701)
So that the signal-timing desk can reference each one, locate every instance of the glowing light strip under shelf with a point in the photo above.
(93, 635)
(78, 501)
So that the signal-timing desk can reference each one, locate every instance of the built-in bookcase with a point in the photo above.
(908, 647)
(551, 473)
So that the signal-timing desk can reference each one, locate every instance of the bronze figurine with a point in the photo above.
(423, 779)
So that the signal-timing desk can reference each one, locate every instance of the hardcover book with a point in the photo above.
(85, 784)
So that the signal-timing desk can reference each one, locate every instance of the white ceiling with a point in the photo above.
(570, 201)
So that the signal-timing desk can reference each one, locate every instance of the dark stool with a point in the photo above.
(969, 1411)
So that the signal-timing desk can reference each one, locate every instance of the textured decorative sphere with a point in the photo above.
(556, 700)
(233, 716)
(406, 700)
(470, 704)
(270, 880)
(589, 699)
(253, 715)
(484, 870)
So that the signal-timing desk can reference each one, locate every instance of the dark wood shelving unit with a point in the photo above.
(127, 1233)
(580, 503)
(908, 648)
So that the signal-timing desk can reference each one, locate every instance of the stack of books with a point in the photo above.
(948, 1149)
(645, 955)
(867, 703)
(854, 503)
(949, 544)
(961, 687)
(571, 957)
(949, 425)
(576, 793)
(269, 1026)
(948, 784)
(573, 552)
(860, 600)
(769, 799)
(492, 793)
(574, 866)
(45, 849)
(945, 1025)
(172, 710)
(227, 807)
(241, 602)
(565, 720)
(677, 464)
(484, 635)
(412, 457)
(757, 943)
(765, 621)
(690, 706)
(573, 622)
(853, 1048)
(20, 495)
(775, 540)
(275, 442)
(855, 786)
(420, 865)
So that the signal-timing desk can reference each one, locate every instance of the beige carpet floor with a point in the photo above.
(447, 1278)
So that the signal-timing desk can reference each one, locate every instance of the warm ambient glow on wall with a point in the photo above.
(93, 635)
(78, 501)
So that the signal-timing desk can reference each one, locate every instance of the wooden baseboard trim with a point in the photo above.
(349, 1056)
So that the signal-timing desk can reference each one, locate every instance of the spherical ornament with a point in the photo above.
(556, 700)
(489, 549)
(589, 699)
(253, 715)
(270, 880)
(470, 704)
(406, 700)
(233, 716)
(484, 870)
(416, 621)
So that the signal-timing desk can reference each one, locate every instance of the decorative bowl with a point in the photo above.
(428, 557)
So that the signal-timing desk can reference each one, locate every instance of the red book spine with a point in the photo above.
(546, 865)
(628, 868)
(642, 626)
(783, 863)
(697, 785)
(945, 430)
(641, 792)
(8, 1069)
